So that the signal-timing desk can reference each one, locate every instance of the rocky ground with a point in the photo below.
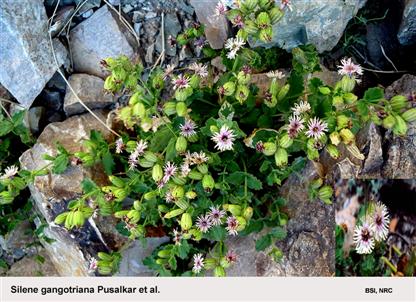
(69, 38)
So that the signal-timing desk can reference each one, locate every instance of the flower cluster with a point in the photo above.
(373, 229)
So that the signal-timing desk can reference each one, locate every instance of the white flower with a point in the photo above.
(220, 9)
(9, 172)
(168, 70)
(276, 74)
(301, 107)
(185, 169)
(199, 158)
(234, 45)
(348, 68)
(139, 151)
(363, 238)
(224, 139)
(216, 215)
(198, 263)
(295, 126)
(119, 145)
(177, 237)
(232, 225)
(199, 69)
(316, 128)
(180, 82)
(204, 223)
(381, 221)
(93, 265)
(188, 128)
(170, 170)
(169, 197)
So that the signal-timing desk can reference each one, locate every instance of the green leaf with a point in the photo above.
(183, 249)
(278, 233)
(263, 243)
(5, 127)
(217, 233)
(374, 94)
(239, 177)
(108, 163)
(60, 163)
(253, 226)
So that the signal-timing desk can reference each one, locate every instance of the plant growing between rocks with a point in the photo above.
(202, 160)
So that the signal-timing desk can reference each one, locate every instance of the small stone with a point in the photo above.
(407, 31)
(87, 14)
(87, 5)
(51, 99)
(149, 54)
(127, 8)
(138, 16)
(172, 29)
(137, 27)
(30, 267)
(97, 38)
(34, 116)
(184, 54)
(150, 15)
(90, 90)
(27, 62)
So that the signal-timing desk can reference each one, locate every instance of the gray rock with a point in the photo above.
(57, 82)
(60, 19)
(321, 23)
(99, 37)
(172, 28)
(26, 57)
(30, 267)
(134, 255)
(407, 31)
(51, 99)
(150, 15)
(90, 90)
(71, 251)
(34, 117)
(216, 28)
(137, 28)
(309, 249)
(87, 14)
(370, 141)
(88, 5)
(149, 54)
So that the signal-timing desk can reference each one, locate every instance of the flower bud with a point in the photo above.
(263, 20)
(182, 203)
(350, 98)
(149, 195)
(233, 209)
(169, 108)
(173, 213)
(145, 163)
(178, 192)
(248, 213)
(180, 181)
(266, 34)
(208, 182)
(398, 102)
(242, 93)
(78, 219)
(150, 156)
(164, 254)
(213, 129)
(312, 154)
(139, 110)
(157, 172)
(347, 83)
(195, 175)
(324, 90)
(224, 263)
(335, 138)
(250, 27)
(203, 168)
(347, 136)
(186, 221)
(342, 121)
(283, 92)
(219, 271)
(337, 101)
(242, 223)
(269, 148)
(375, 119)
(243, 78)
(333, 151)
(210, 263)
(191, 195)
(229, 88)
(134, 99)
(410, 115)
(181, 144)
(316, 183)
(61, 218)
(285, 141)
(281, 157)
(181, 109)
(389, 122)
(325, 193)
(194, 81)
(400, 128)
(275, 14)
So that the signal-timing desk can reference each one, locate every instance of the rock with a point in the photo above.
(172, 28)
(99, 37)
(370, 141)
(57, 82)
(309, 249)
(401, 151)
(328, 77)
(51, 99)
(62, 16)
(216, 28)
(149, 54)
(18, 239)
(34, 117)
(321, 23)
(26, 57)
(137, 27)
(88, 5)
(90, 90)
(87, 14)
(184, 53)
(407, 31)
(31, 267)
(150, 15)
(71, 251)
(134, 255)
